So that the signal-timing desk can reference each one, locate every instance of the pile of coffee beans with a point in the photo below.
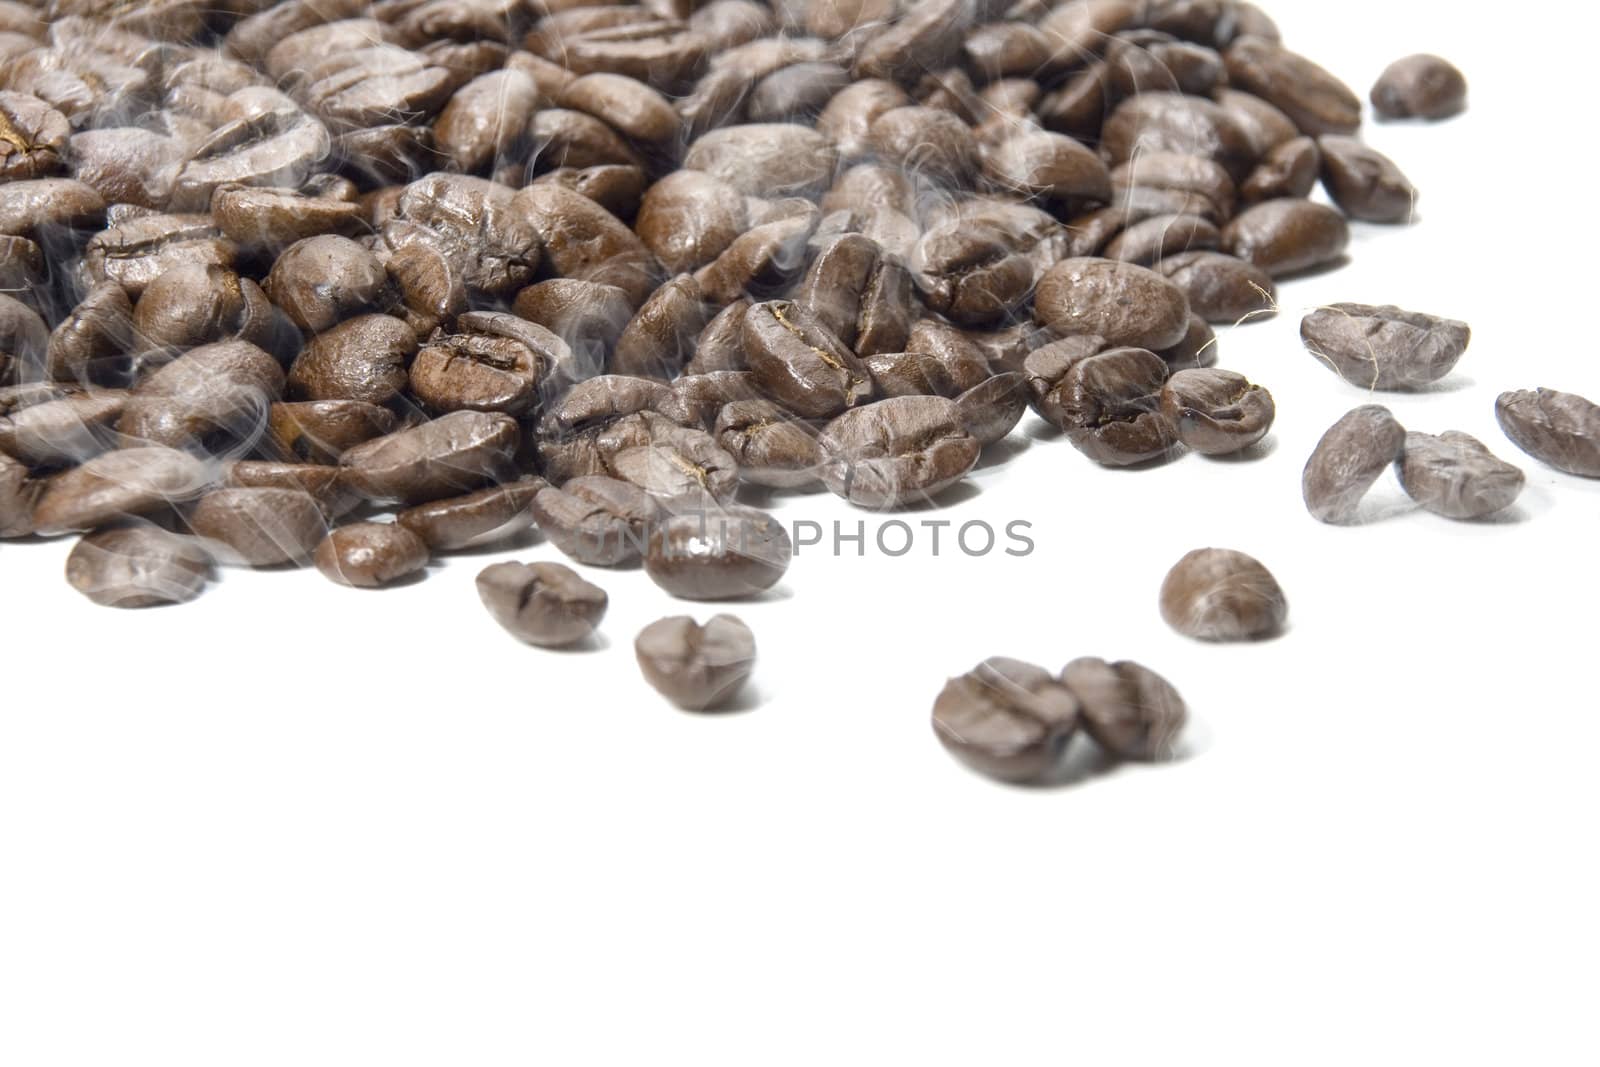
(355, 284)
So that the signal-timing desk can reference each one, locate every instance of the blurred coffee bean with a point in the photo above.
(128, 165)
(1006, 719)
(971, 272)
(766, 159)
(1289, 169)
(138, 566)
(688, 218)
(1384, 347)
(1216, 412)
(587, 316)
(1315, 100)
(370, 554)
(711, 552)
(1171, 172)
(668, 461)
(761, 261)
(27, 207)
(1155, 239)
(1286, 236)
(543, 604)
(1170, 122)
(1560, 429)
(323, 484)
(698, 668)
(1039, 163)
(1197, 349)
(319, 431)
(277, 218)
(275, 148)
(479, 227)
(1351, 456)
(127, 481)
(486, 119)
(194, 304)
(633, 108)
(87, 345)
(24, 338)
(1220, 288)
(214, 397)
(17, 496)
(36, 144)
(1364, 182)
(1129, 710)
(65, 431)
(1217, 594)
(136, 252)
(659, 339)
(1456, 476)
(1419, 86)
(594, 419)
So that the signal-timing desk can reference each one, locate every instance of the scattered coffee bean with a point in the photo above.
(543, 604)
(697, 667)
(1109, 406)
(1456, 476)
(1384, 347)
(1129, 710)
(1364, 182)
(1420, 86)
(1007, 719)
(1216, 412)
(1217, 594)
(370, 554)
(1561, 429)
(137, 567)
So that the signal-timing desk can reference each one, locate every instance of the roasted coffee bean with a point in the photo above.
(318, 431)
(543, 604)
(1364, 182)
(451, 455)
(1384, 347)
(1045, 369)
(135, 252)
(1285, 236)
(800, 364)
(1171, 173)
(1263, 125)
(17, 497)
(771, 446)
(848, 116)
(711, 552)
(1037, 162)
(484, 517)
(925, 38)
(1351, 456)
(273, 148)
(321, 280)
(34, 143)
(659, 340)
(1007, 719)
(570, 139)
(1420, 86)
(127, 481)
(215, 397)
(720, 346)
(583, 240)
(570, 432)
(1110, 407)
(1456, 476)
(897, 452)
(766, 159)
(432, 289)
(1184, 125)
(617, 187)
(64, 431)
(1120, 302)
(259, 527)
(673, 460)
(1216, 412)
(24, 338)
(486, 119)
(138, 567)
(1561, 429)
(971, 272)
(630, 106)
(697, 399)
(370, 554)
(195, 304)
(22, 268)
(478, 226)
(277, 218)
(493, 362)
(1289, 169)
(587, 316)
(1315, 100)
(858, 294)
(323, 484)
(1197, 349)
(26, 207)
(1129, 710)
(688, 218)
(364, 358)
(127, 165)
(761, 261)
(87, 345)
(1217, 594)
(1220, 288)
(596, 519)
(991, 409)
(927, 374)
(1155, 239)
(697, 667)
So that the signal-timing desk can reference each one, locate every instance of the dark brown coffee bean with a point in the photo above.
(136, 252)
(486, 119)
(195, 304)
(478, 225)
(1007, 719)
(587, 316)
(22, 268)
(452, 454)
(480, 518)
(766, 159)
(1197, 349)
(571, 139)
(859, 295)
(493, 362)
(1364, 182)
(543, 604)
(1045, 369)
(1220, 288)
(1216, 412)
(1561, 429)
(927, 374)
(720, 346)
(673, 460)
(1171, 122)
(35, 141)
(138, 567)
(28, 206)
(322, 280)
(318, 431)
(697, 667)
(617, 187)
(17, 496)
(697, 399)
(363, 358)
(65, 431)
(87, 345)
(24, 338)
(1285, 236)
(277, 218)
(1122, 303)
(370, 554)
(711, 552)
(1155, 239)
(1454, 475)
(688, 218)
(583, 240)
(771, 446)
(1263, 125)
(127, 165)
(991, 409)
(1036, 162)
(215, 396)
(761, 261)
(1351, 456)
(275, 148)
(923, 39)
(628, 105)
(596, 519)
(259, 527)
(660, 338)
(971, 272)
(927, 142)
(897, 452)
(1420, 86)
(800, 364)
(1110, 407)
(570, 432)
(1315, 100)
(1217, 594)
(127, 481)
(848, 116)
(1129, 710)
(1384, 347)
(1290, 169)
(382, 155)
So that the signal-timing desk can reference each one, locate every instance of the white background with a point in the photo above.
(296, 823)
